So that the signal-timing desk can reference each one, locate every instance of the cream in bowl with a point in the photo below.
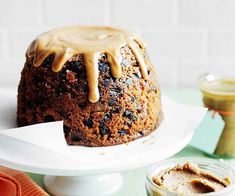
(190, 176)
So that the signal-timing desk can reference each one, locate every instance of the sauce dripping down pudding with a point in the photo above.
(90, 41)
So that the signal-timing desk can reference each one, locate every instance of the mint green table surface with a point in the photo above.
(204, 139)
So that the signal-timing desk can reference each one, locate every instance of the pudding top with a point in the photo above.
(90, 41)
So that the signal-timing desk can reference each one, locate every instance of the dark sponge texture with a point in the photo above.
(129, 107)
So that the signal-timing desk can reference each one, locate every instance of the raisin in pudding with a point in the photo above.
(98, 80)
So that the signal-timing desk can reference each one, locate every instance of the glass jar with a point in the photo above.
(219, 97)
(217, 167)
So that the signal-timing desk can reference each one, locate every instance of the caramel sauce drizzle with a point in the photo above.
(91, 41)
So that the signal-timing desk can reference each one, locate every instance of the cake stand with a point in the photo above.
(65, 176)
(94, 171)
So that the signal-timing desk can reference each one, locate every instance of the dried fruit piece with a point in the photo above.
(115, 91)
(137, 74)
(76, 138)
(123, 132)
(112, 101)
(104, 130)
(116, 110)
(89, 123)
(103, 66)
(66, 129)
(49, 118)
(107, 117)
(129, 114)
(70, 76)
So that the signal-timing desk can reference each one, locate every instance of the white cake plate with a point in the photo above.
(96, 171)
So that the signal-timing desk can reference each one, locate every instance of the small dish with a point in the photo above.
(216, 167)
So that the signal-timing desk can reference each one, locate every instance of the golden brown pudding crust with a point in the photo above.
(128, 107)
